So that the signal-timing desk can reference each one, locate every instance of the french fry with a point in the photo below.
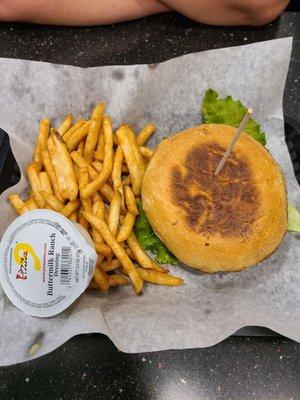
(35, 184)
(81, 147)
(82, 176)
(132, 156)
(99, 154)
(103, 249)
(100, 259)
(87, 204)
(141, 256)
(130, 200)
(106, 190)
(98, 166)
(117, 168)
(130, 254)
(113, 265)
(70, 207)
(93, 133)
(31, 204)
(63, 167)
(96, 184)
(117, 249)
(79, 160)
(96, 197)
(45, 182)
(98, 210)
(117, 174)
(74, 216)
(73, 128)
(114, 213)
(83, 179)
(146, 152)
(116, 280)
(145, 133)
(126, 227)
(50, 171)
(65, 125)
(159, 278)
(97, 238)
(73, 140)
(100, 277)
(41, 142)
(82, 221)
(54, 202)
(18, 204)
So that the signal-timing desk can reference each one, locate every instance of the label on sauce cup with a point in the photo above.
(46, 262)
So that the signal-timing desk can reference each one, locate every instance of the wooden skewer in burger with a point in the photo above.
(216, 198)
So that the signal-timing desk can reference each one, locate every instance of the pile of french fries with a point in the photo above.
(93, 176)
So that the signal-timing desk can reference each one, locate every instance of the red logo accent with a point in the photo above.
(22, 271)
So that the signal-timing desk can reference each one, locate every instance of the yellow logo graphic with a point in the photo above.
(20, 254)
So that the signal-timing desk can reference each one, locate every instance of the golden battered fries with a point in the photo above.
(18, 204)
(146, 152)
(119, 252)
(65, 125)
(52, 201)
(159, 278)
(31, 204)
(63, 167)
(117, 169)
(70, 207)
(50, 171)
(100, 277)
(45, 182)
(75, 138)
(130, 200)
(145, 133)
(93, 132)
(116, 280)
(41, 142)
(126, 228)
(93, 176)
(95, 185)
(74, 128)
(133, 157)
(141, 256)
(114, 213)
(35, 184)
(111, 266)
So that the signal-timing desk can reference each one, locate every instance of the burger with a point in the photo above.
(223, 222)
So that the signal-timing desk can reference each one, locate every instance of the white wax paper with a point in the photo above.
(207, 308)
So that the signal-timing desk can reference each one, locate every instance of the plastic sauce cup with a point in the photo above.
(46, 262)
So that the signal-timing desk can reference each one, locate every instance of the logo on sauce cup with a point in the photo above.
(20, 253)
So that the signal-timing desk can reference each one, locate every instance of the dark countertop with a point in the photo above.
(90, 367)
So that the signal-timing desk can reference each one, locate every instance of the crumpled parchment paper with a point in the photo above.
(207, 308)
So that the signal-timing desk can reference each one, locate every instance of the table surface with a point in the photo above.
(90, 367)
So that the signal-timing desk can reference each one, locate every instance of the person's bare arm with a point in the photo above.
(229, 12)
(78, 12)
(101, 12)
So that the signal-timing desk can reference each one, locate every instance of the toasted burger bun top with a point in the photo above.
(215, 223)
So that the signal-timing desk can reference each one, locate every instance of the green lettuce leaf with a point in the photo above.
(149, 241)
(293, 219)
(230, 112)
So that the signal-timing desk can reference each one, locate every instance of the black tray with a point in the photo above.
(10, 175)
